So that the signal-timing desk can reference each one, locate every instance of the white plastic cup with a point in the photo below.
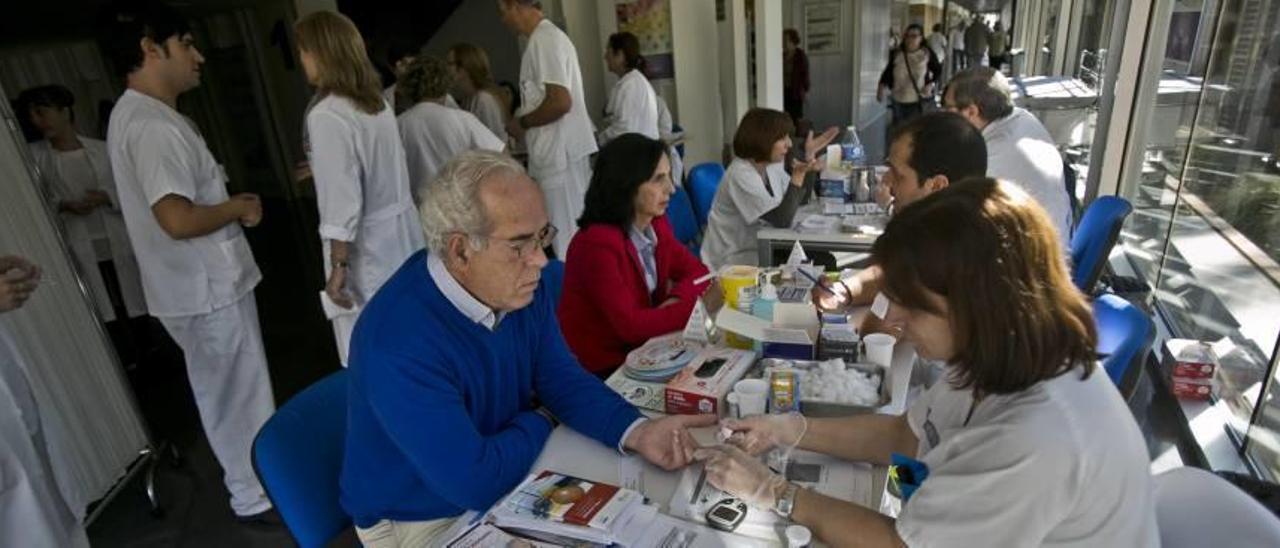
(879, 348)
(798, 536)
(752, 396)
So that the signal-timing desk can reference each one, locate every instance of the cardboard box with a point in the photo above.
(1189, 359)
(702, 385)
(1192, 389)
(792, 335)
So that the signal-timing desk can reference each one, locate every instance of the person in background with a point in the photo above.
(909, 77)
(453, 361)
(975, 278)
(552, 120)
(33, 510)
(633, 106)
(474, 82)
(958, 59)
(668, 134)
(976, 38)
(433, 133)
(198, 273)
(76, 173)
(757, 187)
(627, 278)
(399, 58)
(937, 43)
(367, 222)
(1019, 148)
(795, 75)
(999, 46)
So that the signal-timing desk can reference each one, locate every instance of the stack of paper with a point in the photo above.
(564, 506)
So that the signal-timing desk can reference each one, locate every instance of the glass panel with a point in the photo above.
(1206, 227)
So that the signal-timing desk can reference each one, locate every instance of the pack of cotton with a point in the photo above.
(830, 381)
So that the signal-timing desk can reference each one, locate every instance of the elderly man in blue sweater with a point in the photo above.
(450, 360)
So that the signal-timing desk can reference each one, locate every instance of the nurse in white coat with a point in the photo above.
(198, 272)
(552, 119)
(667, 133)
(633, 106)
(479, 95)
(433, 133)
(76, 174)
(33, 511)
(368, 224)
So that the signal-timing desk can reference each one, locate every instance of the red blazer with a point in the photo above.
(605, 310)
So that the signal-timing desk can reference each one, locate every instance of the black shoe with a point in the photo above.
(269, 518)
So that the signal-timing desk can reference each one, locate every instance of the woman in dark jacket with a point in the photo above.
(909, 77)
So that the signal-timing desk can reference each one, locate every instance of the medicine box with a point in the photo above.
(1190, 358)
(702, 385)
(1192, 389)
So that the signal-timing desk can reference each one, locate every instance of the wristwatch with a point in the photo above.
(787, 502)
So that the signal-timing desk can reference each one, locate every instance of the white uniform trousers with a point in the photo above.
(227, 368)
(564, 192)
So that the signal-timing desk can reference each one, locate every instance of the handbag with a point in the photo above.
(927, 103)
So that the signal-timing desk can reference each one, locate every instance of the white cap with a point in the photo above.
(798, 536)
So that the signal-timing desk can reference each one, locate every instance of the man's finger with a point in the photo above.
(706, 453)
(687, 421)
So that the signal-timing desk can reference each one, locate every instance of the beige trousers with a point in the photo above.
(403, 534)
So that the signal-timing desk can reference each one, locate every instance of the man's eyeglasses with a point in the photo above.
(528, 245)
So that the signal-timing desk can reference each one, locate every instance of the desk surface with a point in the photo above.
(769, 239)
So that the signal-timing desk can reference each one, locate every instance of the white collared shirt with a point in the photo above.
(433, 134)
(1020, 151)
(550, 58)
(459, 297)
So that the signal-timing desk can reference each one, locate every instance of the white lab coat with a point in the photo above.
(488, 109)
(632, 108)
(389, 95)
(666, 132)
(104, 223)
(363, 190)
(33, 511)
(200, 288)
(1020, 150)
(433, 134)
(558, 152)
(735, 217)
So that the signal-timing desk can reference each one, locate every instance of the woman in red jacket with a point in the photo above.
(627, 279)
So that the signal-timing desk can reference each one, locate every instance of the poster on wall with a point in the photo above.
(1182, 35)
(650, 21)
(822, 28)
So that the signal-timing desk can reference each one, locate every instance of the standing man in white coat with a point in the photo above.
(76, 172)
(553, 117)
(198, 272)
(1019, 148)
(633, 106)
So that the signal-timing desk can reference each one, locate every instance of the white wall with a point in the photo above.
(697, 68)
(734, 96)
(582, 24)
(477, 22)
(768, 26)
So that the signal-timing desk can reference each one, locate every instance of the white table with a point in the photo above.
(770, 239)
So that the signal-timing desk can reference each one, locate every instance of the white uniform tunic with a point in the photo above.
(1020, 150)
(666, 132)
(559, 151)
(1061, 464)
(363, 191)
(632, 108)
(100, 235)
(740, 201)
(433, 134)
(488, 109)
(200, 288)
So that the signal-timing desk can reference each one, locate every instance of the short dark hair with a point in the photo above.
(52, 95)
(759, 129)
(991, 252)
(937, 27)
(125, 26)
(984, 87)
(629, 45)
(622, 166)
(791, 35)
(943, 143)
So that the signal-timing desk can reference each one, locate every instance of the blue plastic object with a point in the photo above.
(683, 222)
(1094, 238)
(1125, 333)
(702, 184)
(553, 272)
(298, 458)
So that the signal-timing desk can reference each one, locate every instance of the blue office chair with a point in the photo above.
(683, 223)
(553, 272)
(298, 458)
(1125, 333)
(1094, 237)
(702, 183)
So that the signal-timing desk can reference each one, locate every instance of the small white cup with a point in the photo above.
(752, 396)
(879, 348)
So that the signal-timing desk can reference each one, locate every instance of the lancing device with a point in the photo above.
(816, 281)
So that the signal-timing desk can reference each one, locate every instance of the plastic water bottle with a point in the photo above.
(851, 153)
(762, 307)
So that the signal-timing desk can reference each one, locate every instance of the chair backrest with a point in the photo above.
(683, 222)
(298, 458)
(702, 183)
(1094, 237)
(1125, 333)
(1198, 508)
(553, 272)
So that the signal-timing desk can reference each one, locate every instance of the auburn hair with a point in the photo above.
(759, 129)
(342, 66)
(989, 250)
